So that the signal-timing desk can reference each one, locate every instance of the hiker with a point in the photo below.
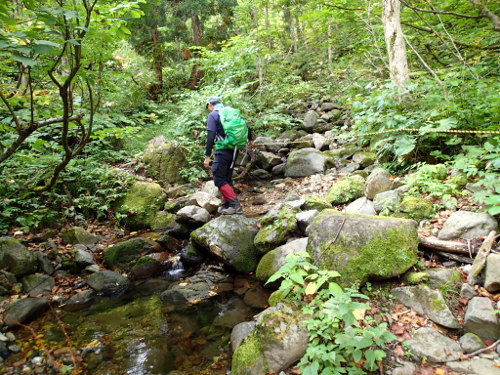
(224, 157)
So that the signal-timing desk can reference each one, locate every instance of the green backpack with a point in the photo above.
(235, 127)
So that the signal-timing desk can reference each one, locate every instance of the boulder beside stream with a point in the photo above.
(230, 238)
(362, 247)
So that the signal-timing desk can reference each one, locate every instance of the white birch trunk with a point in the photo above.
(396, 50)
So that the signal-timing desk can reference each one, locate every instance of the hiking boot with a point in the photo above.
(234, 208)
(224, 206)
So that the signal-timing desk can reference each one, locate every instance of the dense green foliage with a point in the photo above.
(94, 68)
(338, 341)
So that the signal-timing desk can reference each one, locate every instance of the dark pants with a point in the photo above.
(221, 169)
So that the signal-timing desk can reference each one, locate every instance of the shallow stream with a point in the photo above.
(137, 334)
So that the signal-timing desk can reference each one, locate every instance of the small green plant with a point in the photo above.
(339, 343)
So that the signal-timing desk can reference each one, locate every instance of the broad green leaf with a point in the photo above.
(24, 60)
(47, 43)
(404, 145)
(311, 288)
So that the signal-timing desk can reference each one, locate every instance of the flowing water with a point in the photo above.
(137, 334)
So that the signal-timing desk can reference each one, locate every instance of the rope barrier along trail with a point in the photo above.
(451, 131)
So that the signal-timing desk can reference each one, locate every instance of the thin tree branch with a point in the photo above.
(445, 92)
(11, 111)
(439, 12)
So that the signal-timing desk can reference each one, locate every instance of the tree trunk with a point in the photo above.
(157, 87)
(289, 27)
(196, 73)
(396, 50)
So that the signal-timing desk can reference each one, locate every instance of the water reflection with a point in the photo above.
(137, 334)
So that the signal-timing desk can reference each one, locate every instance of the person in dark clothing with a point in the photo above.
(222, 166)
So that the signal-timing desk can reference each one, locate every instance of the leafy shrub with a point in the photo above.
(338, 341)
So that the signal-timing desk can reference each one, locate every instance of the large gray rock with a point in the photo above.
(268, 144)
(466, 224)
(274, 259)
(492, 279)
(25, 310)
(230, 237)
(310, 121)
(429, 343)
(193, 215)
(267, 160)
(377, 182)
(426, 301)
(475, 366)
(305, 162)
(210, 188)
(78, 235)
(124, 254)
(84, 258)
(305, 218)
(108, 282)
(481, 319)
(38, 283)
(362, 247)
(444, 277)
(204, 200)
(7, 281)
(16, 258)
(361, 206)
(198, 288)
(387, 200)
(165, 159)
(240, 332)
(470, 342)
(278, 340)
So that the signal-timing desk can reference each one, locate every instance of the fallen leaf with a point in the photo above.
(399, 351)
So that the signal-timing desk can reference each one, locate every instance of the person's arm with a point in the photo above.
(208, 150)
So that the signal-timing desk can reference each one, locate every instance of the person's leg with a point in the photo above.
(222, 172)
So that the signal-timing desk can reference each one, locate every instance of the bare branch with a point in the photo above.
(11, 111)
(485, 12)
(440, 12)
(445, 92)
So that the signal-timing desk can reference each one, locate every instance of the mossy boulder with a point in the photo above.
(124, 254)
(142, 202)
(165, 159)
(305, 162)
(274, 259)
(275, 232)
(278, 340)
(230, 238)
(145, 267)
(426, 301)
(414, 208)
(38, 283)
(78, 235)
(313, 202)
(364, 159)
(162, 219)
(362, 247)
(16, 258)
(346, 190)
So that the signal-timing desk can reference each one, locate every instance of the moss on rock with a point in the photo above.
(275, 233)
(367, 247)
(124, 254)
(314, 202)
(346, 190)
(414, 208)
(142, 202)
